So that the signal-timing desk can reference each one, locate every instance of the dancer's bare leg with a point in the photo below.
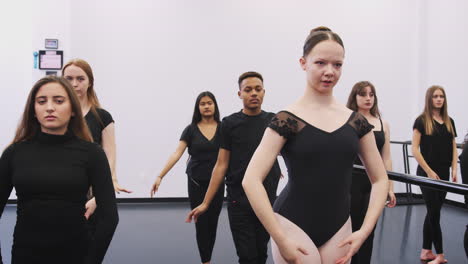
(296, 233)
(330, 252)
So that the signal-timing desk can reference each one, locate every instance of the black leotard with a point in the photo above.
(319, 164)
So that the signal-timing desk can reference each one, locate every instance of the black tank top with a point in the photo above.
(360, 181)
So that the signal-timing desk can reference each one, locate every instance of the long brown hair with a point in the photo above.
(91, 93)
(426, 116)
(29, 125)
(357, 88)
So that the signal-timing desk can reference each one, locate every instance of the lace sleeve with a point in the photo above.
(361, 125)
(286, 124)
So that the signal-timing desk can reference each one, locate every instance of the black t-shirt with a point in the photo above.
(464, 163)
(95, 125)
(241, 134)
(438, 147)
(203, 152)
(52, 175)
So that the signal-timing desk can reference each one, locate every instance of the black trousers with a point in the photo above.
(249, 235)
(207, 223)
(360, 194)
(73, 252)
(466, 241)
(432, 233)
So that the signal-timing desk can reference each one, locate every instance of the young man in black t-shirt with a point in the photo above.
(241, 133)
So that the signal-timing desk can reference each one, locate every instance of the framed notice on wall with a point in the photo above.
(51, 43)
(50, 59)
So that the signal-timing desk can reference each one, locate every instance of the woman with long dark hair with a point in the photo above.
(202, 138)
(363, 99)
(52, 163)
(435, 150)
(319, 140)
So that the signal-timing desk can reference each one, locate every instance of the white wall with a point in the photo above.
(152, 58)
(444, 61)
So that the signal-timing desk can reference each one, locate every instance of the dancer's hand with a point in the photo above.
(433, 175)
(90, 208)
(196, 212)
(454, 176)
(355, 241)
(119, 189)
(391, 199)
(291, 251)
(155, 186)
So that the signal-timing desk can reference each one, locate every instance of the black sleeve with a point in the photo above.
(285, 124)
(419, 125)
(5, 181)
(101, 181)
(454, 128)
(105, 116)
(187, 135)
(361, 124)
(226, 139)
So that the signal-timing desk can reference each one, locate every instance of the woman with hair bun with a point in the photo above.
(319, 140)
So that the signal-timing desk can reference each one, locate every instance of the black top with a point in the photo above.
(379, 140)
(96, 126)
(52, 175)
(241, 134)
(438, 147)
(320, 163)
(203, 152)
(464, 164)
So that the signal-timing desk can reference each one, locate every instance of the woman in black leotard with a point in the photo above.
(435, 150)
(363, 99)
(100, 122)
(202, 138)
(52, 164)
(319, 140)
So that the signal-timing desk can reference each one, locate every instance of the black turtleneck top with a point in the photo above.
(52, 175)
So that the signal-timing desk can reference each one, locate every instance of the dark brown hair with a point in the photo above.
(357, 89)
(249, 74)
(426, 116)
(318, 35)
(29, 125)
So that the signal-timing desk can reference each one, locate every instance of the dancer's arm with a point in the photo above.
(217, 177)
(387, 159)
(259, 166)
(454, 161)
(173, 158)
(109, 146)
(418, 156)
(375, 168)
